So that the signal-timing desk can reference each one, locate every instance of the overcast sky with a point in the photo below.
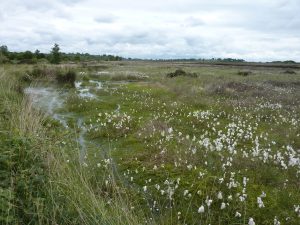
(257, 30)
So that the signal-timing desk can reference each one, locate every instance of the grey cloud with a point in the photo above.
(194, 22)
(105, 19)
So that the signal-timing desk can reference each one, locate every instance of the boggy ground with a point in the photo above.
(218, 148)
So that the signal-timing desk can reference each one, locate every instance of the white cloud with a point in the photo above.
(259, 30)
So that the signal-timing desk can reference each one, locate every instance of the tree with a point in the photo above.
(55, 54)
(37, 54)
(3, 58)
(4, 54)
(77, 57)
(4, 50)
(27, 55)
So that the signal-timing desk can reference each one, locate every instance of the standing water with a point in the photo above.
(51, 99)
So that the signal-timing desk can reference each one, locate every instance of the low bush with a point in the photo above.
(180, 72)
(85, 78)
(244, 73)
(3, 58)
(289, 71)
(26, 78)
(66, 78)
(28, 61)
(38, 72)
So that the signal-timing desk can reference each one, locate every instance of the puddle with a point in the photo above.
(102, 72)
(81, 140)
(98, 83)
(51, 99)
(48, 99)
(86, 91)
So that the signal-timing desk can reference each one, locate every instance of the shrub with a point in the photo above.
(180, 72)
(3, 58)
(66, 78)
(85, 78)
(244, 73)
(26, 78)
(38, 72)
(289, 71)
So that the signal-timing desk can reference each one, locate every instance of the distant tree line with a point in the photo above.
(55, 56)
(194, 59)
(287, 61)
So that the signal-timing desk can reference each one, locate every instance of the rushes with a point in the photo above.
(27, 121)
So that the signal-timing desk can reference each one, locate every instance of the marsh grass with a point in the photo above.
(161, 103)
(131, 149)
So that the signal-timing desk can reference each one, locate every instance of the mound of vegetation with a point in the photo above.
(289, 71)
(66, 78)
(180, 72)
(244, 73)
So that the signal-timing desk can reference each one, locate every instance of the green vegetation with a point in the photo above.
(128, 145)
(54, 57)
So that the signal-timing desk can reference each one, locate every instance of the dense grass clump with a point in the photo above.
(181, 72)
(23, 176)
(68, 77)
(289, 71)
(244, 73)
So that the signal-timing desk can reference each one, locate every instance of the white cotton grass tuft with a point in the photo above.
(145, 188)
(237, 214)
(220, 196)
(260, 202)
(223, 205)
(208, 202)
(201, 209)
(185, 192)
(251, 221)
(276, 221)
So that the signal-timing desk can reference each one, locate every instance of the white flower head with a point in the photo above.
(220, 196)
(145, 188)
(260, 202)
(201, 209)
(208, 202)
(251, 221)
(237, 214)
(276, 221)
(223, 205)
(185, 192)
